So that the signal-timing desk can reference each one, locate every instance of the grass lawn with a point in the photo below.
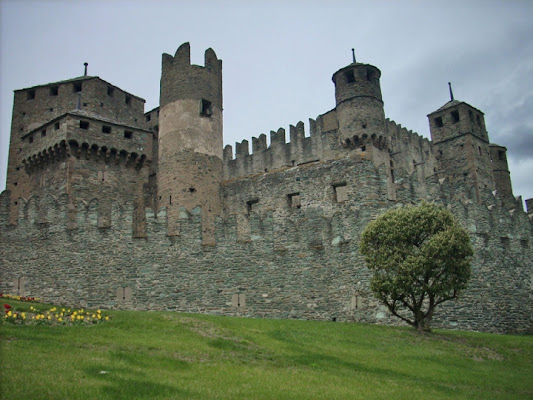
(164, 355)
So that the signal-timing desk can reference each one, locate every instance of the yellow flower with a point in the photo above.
(94, 316)
(62, 310)
(98, 311)
(75, 313)
(9, 313)
(99, 316)
(107, 318)
(23, 315)
(49, 317)
(59, 320)
(14, 315)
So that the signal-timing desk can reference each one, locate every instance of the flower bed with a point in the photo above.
(52, 316)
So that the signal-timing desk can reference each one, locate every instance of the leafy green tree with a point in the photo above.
(420, 257)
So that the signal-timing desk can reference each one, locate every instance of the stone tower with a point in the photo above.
(190, 137)
(358, 101)
(500, 170)
(462, 143)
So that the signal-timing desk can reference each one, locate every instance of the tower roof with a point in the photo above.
(453, 103)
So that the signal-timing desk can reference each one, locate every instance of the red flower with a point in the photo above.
(7, 306)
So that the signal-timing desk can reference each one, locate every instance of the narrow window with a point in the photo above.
(363, 126)
(128, 100)
(206, 108)
(479, 149)
(294, 200)
(54, 90)
(43, 132)
(76, 87)
(478, 120)
(438, 122)
(84, 125)
(350, 76)
(455, 116)
(56, 126)
(30, 94)
(369, 75)
(106, 129)
(148, 117)
(110, 91)
(501, 155)
(238, 300)
(30, 139)
(471, 115)
(363, 148)
(128, 134)
(340, 191)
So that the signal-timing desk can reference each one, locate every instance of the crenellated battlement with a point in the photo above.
(322, 144)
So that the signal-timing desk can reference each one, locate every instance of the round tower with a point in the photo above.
(358, 101)
(190, 137)
(500, 171)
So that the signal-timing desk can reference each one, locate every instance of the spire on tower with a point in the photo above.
(451, 92)
(353, 55)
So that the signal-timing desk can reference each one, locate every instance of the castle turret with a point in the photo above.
(459, 135)
(190, 136)
(500, 170)
(358, 101)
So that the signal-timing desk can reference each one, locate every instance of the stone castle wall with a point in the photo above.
(297, 258)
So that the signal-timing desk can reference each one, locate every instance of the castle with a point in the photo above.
(108, 206)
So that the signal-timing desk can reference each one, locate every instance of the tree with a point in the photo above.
(420, 257)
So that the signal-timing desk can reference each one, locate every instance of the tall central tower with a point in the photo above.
(190, 137)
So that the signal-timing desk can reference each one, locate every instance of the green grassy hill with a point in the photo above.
(164, 355)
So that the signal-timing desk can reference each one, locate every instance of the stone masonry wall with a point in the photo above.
(277, 260)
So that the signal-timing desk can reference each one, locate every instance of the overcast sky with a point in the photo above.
(279, 56)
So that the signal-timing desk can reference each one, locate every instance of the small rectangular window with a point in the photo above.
(128, 100)
(340, 192)
(128, 134)
(54, 90)
(478, 120)
(350, 76)
(30, 139)
(438, 122)
(294, 200)
(250, 204)
(30, 94)
(106, 129)
(43, 132)
(455, 116)
(206, 108)
(84, 125)
(501, 155)
(76, 87)
(148, 117)
(110, 91)
(56, 126)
